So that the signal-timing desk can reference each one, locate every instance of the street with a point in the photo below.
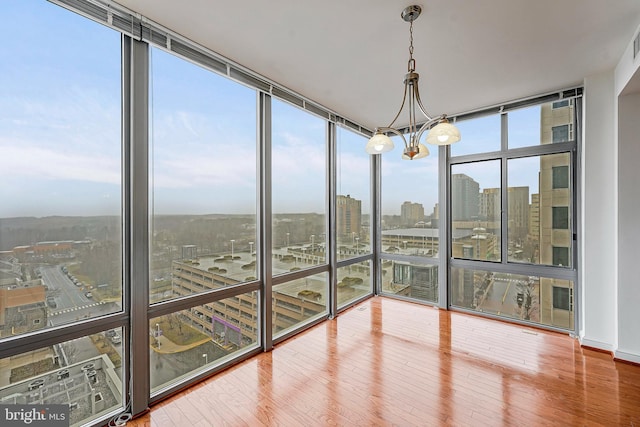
(501, 294)
(71, 303)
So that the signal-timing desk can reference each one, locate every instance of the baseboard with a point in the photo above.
(597, 346)
(624, 356)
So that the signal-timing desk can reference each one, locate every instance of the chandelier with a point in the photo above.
(443, 133)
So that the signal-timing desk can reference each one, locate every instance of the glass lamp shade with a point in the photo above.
(423, 151)
(379, 143)
(444, 133)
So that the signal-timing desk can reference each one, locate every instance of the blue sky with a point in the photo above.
(60, 133)
(57, 157)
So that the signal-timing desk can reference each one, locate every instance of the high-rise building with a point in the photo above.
(435, 216)
(518, 200)
(534, 217)
(555, 207)
(465, 203)
(411, 213)
(490, 206)
(349, 216)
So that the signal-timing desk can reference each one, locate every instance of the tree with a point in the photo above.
(527, 300)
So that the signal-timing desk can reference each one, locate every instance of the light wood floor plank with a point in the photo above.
(388, 362)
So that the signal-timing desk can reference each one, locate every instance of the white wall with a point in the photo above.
(627, 90)
(629, 227)
(627, 67)
(598, 322)
(610, 205)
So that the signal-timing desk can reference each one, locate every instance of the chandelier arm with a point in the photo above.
(425, 126)
(413, 123)
(424, 111)
(404, 99)
(393, 130)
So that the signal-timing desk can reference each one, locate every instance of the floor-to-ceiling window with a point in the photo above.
(410, 222)
(203, 187)
(61, 244)
(299, 220)
(513, 214)
(353, 216)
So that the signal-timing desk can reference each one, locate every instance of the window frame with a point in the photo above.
(571, 148)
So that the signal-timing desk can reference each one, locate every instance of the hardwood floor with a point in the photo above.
(387, 362)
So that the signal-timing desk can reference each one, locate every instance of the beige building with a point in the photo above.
(518, 198)
(411, 213)
(555, 214)
(490, 206)
(348, 216)
(534, 217)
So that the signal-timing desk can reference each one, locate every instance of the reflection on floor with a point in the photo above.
(389, 362)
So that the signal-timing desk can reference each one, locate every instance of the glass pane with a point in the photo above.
(354, 281)
(412, 280)
(84, 374)
(556, 121)
(299, 301)
(204, 175)
(476, 210)
(299, 185)
(540, 206)
(353, 207)
(524, 127)
(478, 136)
(541, 124)
(534, 299)
(60, 168)
(410, 211)
(187, 341)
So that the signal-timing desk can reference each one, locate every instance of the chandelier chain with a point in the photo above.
(411, 61)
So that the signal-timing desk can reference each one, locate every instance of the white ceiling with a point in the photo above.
(351, 55)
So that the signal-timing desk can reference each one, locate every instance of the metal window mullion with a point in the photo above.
(265, 226)
(571, 93)
(138, 187)
(200, 299)
(549, 271)
(376, 227)
(330, 241)
(444, 227)
(20, 344)
(504, 192)
(576, 186)
(127, 202)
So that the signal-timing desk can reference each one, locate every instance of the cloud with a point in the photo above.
(193, 150)
(297, 158)
(20, 159)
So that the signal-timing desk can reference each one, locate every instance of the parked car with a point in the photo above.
(116, 339)
(51, 302)
(88, 294)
